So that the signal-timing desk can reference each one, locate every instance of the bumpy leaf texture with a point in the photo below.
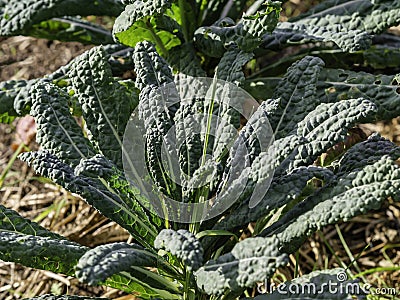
(46, 253)
(183, 244)
(231, 64)
(295, 96)
(150, 68)
(19, 16)
(155, 110)
(287, 33)
(250, 261)
(97, 264)
(351, 194)
(15, 97)
(323, 128)
(247, 33)
(120, 208)
(100, 167)
(370, 16)
(106, 104)
(11, 221)
(349, 24)
(135, 24)
(184, 59)
(282, 190)
(367, 153)
(383, 90)
(66, 147)
(289, 156)
(57, 131)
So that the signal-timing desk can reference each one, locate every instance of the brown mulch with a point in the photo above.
(27, 58)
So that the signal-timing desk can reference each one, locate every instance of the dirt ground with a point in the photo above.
(369, 243)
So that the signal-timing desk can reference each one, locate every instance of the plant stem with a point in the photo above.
(181, 4)
(348, 251)
(3, 174)
(184, 20)
(187, 283)
(200, 16)
(252, 9)
(375, 270)
(158, 41)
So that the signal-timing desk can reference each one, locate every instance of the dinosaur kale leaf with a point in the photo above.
(96, 265)
(319, 131)
(295, 96)
(247, 33)
(11, 221)
(151, 69)
(138, 22)
(370, 16)
(47, 253)
(15, 98)
(25, 17)
(298, 32)
(381, 89)
(64, 158)
(183, 244)
(349, 24)
(351, 194)
(62, 136)
(119, 264)
(184, 59)
(96, 192)
(230, 66)
(250, 261)
(106, 118)
(367, 153)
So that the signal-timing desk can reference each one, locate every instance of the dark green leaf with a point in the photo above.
(46, 253)
(183, 244)
(352, 194)
(97, 264)
(135, 25)
(11, 221)
(19, 16)
(250, 261)
(57, 131)
(97, 193)
(383, 90)
(105, 103)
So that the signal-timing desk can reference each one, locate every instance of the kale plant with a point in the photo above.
(289, 163)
